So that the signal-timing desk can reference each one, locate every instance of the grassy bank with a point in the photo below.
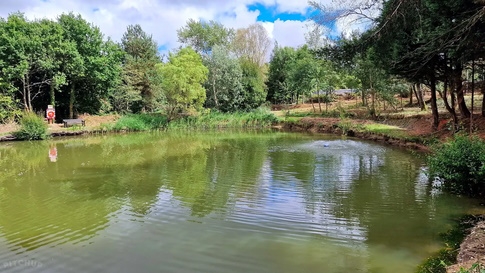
(212, 120)
(452, 239)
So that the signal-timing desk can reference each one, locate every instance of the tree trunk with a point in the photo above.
(29, 94)
(473, 96)
(319, 102)
(450, 109)
(215, 93)
(53, 94)
(24, 92)
(411, 95)
(72, 98)
(419, 96)
(461, 99)
(434, 106)
(373, 103)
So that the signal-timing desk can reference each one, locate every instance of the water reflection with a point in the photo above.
(53, 153)
(236, 202)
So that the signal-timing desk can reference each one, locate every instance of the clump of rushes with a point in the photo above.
(32, 127)
(140, 122)
(260, 117)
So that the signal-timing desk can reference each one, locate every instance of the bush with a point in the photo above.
(32, 127)
(460, 165)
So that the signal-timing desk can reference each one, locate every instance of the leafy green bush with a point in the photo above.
(32, 127)
(460, 165)
(8, 109)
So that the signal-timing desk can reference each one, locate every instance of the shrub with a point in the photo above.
(32, 127)
(460, 165)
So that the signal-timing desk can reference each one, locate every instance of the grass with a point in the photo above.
(260, 117)
(32, 127)
(452, 239)
(389, 130)
(214, 120)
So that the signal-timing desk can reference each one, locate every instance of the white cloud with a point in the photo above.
(161, 18)
(289, 33)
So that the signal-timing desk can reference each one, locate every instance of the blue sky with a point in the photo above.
(285, 20)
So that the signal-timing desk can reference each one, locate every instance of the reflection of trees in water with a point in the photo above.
(206, 181)
(363, 193)
(70, 200)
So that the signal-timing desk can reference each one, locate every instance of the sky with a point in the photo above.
(285, 20)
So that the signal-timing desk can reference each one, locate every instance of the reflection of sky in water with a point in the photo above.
(277, 204)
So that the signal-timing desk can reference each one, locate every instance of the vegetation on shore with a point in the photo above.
(460, 165)
(258, 118)
(452, 239)
(32, 127)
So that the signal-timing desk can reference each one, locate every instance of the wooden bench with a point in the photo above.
(71, 122)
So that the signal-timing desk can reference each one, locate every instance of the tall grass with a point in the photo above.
(140, 122)
(32, 127)
(260, 117)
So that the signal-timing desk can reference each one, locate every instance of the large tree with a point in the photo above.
(25, 59)
(87, 82)
(224, 87)
(279, 89)
(183, 77)
(202, 36)
(252, 43)
(141, 90)
(255, 92)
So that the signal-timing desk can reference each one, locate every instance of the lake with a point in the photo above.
(218, 202)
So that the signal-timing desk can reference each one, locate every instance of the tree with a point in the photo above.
(279, 90)
(141, 91)
(202, 36)
(254, 93)
(88, 82)
(303, 72)
(224, 88)
(430, 41)
(183, 77)
(372, 77)
(252, 43)
(26, 60)
(316, 38)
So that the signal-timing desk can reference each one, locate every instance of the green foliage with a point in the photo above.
(8, 109)
(140, 122)
(252, 43)
(183, 76)
(279, 90)
(224, 90)
(260, 117)
(460, 165)
(203, 36)
(32, 127)
(452, 238)
(141, 90)
(253, 83)
(475, 268)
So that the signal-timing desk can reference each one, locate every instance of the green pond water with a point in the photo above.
(217, 202)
